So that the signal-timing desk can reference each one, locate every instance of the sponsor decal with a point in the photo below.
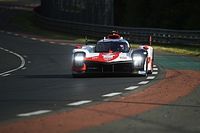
(104, 57)
(108, 56)
(123, 57)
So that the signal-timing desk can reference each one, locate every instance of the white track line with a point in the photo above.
(39, 112)
(151, 77)
(43, 40)
(5, 75)
(155, 69)
(112, 94)
(21, 65)
(52, 42)
(131, 88)
(24, 68)
(154, 73)
(79, 103)
(143, 82)
(33, 38)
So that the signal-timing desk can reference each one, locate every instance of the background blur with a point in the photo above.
(171, 14)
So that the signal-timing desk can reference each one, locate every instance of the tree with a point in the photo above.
(175, 14)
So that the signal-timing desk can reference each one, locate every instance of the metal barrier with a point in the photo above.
(134, 35)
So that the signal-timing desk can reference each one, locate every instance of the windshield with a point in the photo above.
(112, 46)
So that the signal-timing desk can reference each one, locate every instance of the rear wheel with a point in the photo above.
(149, 72)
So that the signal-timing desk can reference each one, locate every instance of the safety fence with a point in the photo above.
(135, 35)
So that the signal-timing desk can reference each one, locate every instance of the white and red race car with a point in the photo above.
(112, 54)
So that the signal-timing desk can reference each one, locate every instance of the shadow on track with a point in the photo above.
(50, 76)
(106, 75)
(70, 76)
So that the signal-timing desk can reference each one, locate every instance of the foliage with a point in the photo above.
(174, 14)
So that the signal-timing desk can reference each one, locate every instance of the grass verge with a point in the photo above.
(179, 49)
(24, 22)
(192, 50)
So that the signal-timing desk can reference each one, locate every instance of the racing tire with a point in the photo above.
(149, 72)
(76, 75)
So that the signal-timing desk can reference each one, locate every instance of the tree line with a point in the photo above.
(170, 14)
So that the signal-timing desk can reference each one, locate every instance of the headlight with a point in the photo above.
(137, 58)
(79, 59)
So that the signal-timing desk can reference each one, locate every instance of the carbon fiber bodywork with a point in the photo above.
(114, 67)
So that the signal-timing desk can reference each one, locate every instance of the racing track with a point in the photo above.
(35, 78)
(43, 85)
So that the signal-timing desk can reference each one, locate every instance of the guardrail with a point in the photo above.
(135, 35)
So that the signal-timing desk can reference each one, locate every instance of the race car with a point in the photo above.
(112, 54)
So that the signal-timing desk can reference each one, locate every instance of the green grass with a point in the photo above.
(180, 49)
(192, 50)
(24, 22)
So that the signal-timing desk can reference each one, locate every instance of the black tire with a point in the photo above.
(76, 75)
(149, 72)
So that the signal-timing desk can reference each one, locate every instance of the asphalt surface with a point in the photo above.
(45, 81)
(181, 116)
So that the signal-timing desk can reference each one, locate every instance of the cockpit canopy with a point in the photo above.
(112, 46)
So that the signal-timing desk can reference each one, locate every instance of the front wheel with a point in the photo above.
(75, 75)
(78, 75)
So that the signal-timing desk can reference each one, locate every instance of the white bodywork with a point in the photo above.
(131, 56)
